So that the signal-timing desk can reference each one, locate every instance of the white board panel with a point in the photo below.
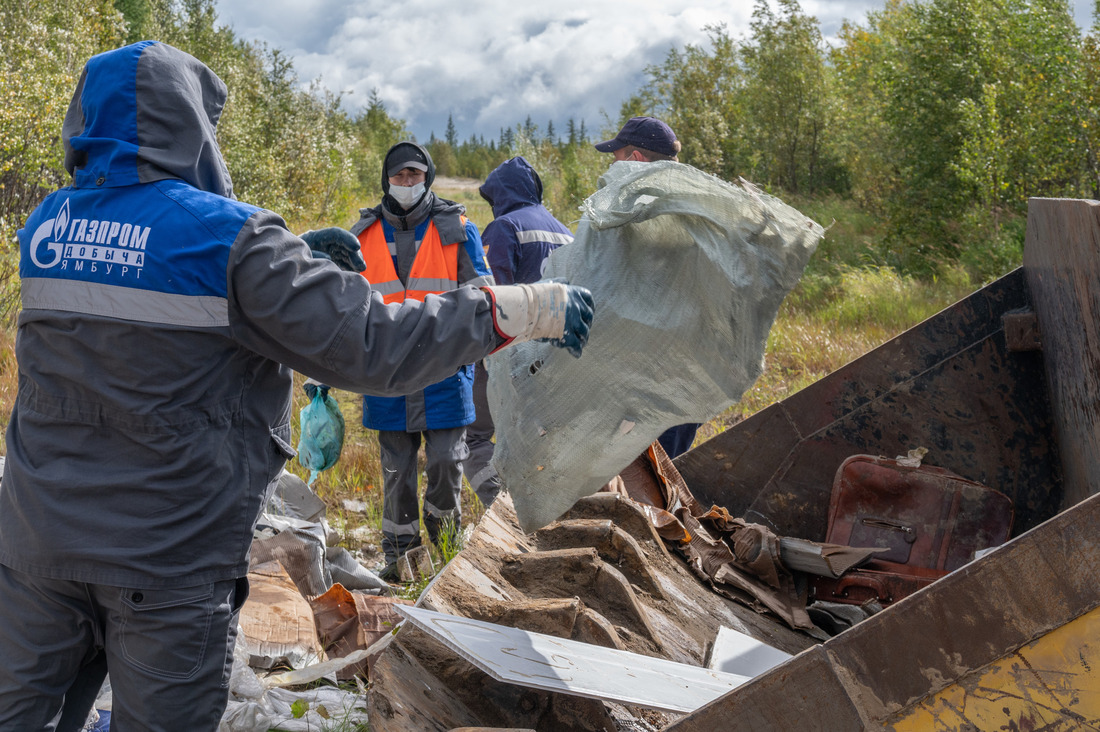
(544, 662)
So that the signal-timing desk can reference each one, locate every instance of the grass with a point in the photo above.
(9, 375)
(477, 208)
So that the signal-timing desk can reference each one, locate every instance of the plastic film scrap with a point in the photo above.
(687, 272)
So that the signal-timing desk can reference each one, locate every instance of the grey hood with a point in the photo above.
(143, 113)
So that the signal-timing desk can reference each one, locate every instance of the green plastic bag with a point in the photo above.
(322, 431)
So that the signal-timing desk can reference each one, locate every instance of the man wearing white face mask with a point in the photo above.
(415, 244)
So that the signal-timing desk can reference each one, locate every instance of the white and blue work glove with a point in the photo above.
(338, 245)
(544, 311)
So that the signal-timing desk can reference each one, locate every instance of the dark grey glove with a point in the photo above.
(337, 245)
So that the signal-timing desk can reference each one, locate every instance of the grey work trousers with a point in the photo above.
(479, 437)
(445, 450)
(169, 652)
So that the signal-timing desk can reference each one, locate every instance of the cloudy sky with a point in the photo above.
(491, 63)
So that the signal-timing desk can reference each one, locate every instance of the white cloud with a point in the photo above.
(492, 63)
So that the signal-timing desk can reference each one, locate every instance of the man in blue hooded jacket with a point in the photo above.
(161, 320)
(519, 239)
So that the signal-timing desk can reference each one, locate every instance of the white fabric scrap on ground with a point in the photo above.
(257, 706)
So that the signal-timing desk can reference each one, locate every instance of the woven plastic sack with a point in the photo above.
(321, 431)
(688, 273)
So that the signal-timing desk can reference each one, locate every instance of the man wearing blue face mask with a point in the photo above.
(415, 244)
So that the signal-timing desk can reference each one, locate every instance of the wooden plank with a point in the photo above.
(1062, 261)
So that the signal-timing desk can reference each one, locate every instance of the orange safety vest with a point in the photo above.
(434, 270)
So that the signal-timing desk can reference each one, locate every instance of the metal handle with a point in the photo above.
(870, 583)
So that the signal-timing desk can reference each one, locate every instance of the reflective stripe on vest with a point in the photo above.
(434, 270)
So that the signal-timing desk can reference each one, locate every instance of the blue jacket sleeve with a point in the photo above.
(500, 237)
(472, 268)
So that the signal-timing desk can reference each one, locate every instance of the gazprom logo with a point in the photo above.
(55, 226)
(113, 248)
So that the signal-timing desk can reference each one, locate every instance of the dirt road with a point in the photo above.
(456, 184)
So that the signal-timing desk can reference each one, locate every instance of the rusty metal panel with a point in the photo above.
(1022, 331)
(921, 516)
(949, 384)
(883, 586)
(802, 694)
(1062, 261)
(956, 629)
(925, 521)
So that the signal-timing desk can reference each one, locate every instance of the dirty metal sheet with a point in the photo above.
(1060, 258)
(1007, 642)
(949, 384)
(554, 664)
(1048, 685)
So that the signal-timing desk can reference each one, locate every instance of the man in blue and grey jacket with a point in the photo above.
(519, 239)
(161, 320)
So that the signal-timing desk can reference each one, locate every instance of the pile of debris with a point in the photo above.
(598, 585)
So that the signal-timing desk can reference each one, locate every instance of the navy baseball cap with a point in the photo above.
(405, 155)
(648, 133)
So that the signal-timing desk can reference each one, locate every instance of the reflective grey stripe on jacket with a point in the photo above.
(388, 288)
(534, 235)
(431, 284)
(112, 301)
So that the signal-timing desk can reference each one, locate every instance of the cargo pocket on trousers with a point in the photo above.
(283, 452)
(281, 437)
(166, 632)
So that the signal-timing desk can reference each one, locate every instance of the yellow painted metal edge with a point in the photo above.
(1051, 684)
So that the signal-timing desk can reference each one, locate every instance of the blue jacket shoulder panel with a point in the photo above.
(177, 243)
(520, 240)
